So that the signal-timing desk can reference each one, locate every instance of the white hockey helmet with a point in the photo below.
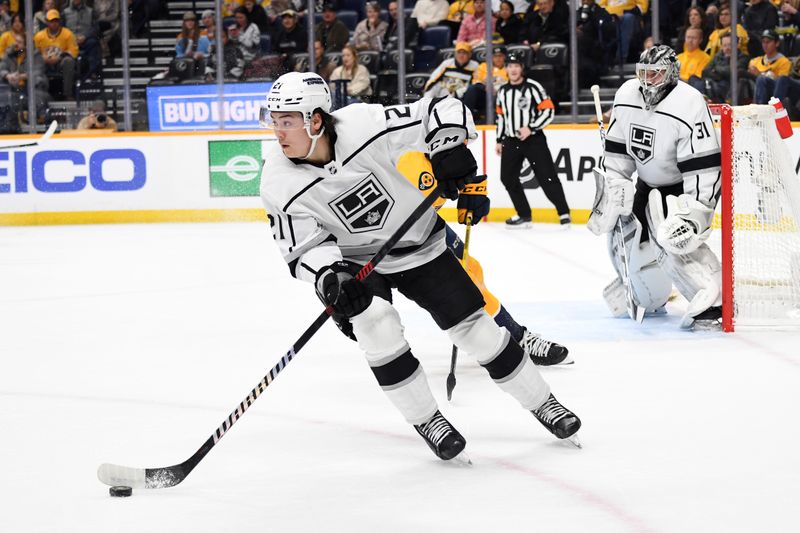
(658, 71)
(302, 92)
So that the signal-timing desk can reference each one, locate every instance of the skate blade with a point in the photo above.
(462, 459)
(568, 360)
(575, 441)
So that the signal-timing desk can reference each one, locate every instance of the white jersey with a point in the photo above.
(673, 142)
(347, 208)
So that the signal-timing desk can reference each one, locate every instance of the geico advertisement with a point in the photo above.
(130, 173)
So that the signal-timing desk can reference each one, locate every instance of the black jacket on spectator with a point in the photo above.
(596, 37)
(258, 16)
(290, 42)
(757, 18)
(553, 29)
(510, 30)
(720, 67)
(390, 37)
(333, 38)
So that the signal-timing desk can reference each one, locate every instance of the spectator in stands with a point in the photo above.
(790, 14)
(767, 68)
(17, 28)
(549, 24)
(629, 15)
(370, 31)
(5, 17)
(693, 60)
(142, 11)
(695, 18)
(475, 96)
(107, 12)
(331, 31)
(60, 50)
(324, 65)
(291, 38)
(83, 22)
(357, 75)
(452, 76)
(232, 58)
(257, 15)
(508, 25)
(723, 28)
(14, 72)
(717, 73)
(596, 33)
(473, 27)
(430, 12)
(246, 35)
(411, 27)
(190, 42)
(97, 118)
(208, 22)
(456, 13)
(40, 17)
(787, 90)
(760, 16)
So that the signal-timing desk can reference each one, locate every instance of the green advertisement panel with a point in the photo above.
(234, 167)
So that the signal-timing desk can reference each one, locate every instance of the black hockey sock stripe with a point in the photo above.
(506, 361)
(396, 370)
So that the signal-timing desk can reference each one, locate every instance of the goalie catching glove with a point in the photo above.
(687, 224)
(337, 286)
(473, 198)
(453, 169)
(613, 198)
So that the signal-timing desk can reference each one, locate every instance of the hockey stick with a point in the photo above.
(634, 311)
(49, 133)
(169, 476)
(451, 377)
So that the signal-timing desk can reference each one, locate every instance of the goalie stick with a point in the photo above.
(451, 377)
(49, 133)
(169, 476)
(634, 311)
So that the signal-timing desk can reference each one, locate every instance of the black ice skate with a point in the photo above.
(559, 420)
(710, 319)
(543, 352)
(517, 222)
(442, 437)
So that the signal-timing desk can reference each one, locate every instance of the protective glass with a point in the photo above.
(280, 120)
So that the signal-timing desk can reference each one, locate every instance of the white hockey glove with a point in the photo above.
(613, 198)
(686, 226)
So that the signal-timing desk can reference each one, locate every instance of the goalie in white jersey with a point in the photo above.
(662, 131)
(334, 196)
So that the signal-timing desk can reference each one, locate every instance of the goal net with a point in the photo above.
(759, 221)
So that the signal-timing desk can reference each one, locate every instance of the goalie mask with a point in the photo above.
(658, 70)
(297, 92)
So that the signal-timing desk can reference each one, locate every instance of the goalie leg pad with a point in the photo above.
(651, 285)
(503, 358)
(698, 277)
(400, 375)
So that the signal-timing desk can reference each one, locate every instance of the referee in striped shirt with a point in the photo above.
(523, 110)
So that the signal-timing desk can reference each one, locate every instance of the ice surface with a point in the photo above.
(130, 345)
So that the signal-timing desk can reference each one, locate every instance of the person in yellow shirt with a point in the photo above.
(693, 60)
(475, 96)
(723, 28)
(416, 167)
(9, 38)
(59, 48)
(767, 68)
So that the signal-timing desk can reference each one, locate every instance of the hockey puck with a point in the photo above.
(120, 491)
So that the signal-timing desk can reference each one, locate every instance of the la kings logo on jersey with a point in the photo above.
(364, 207)
(642, 142)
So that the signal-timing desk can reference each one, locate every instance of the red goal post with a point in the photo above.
(759, 221)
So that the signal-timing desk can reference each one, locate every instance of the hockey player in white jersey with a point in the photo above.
(662, 131)
(333, 195)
